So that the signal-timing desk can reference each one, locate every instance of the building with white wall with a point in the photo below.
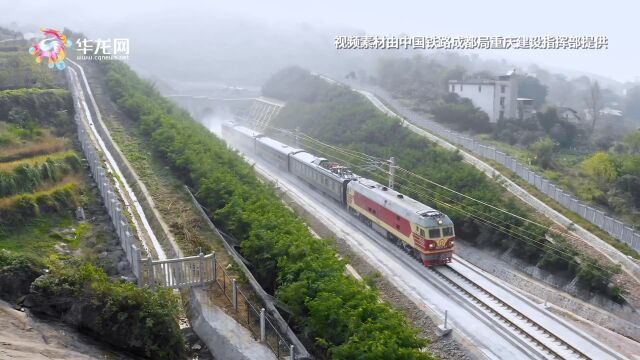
(497, 97)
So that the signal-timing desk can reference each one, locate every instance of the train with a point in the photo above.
(424, 233)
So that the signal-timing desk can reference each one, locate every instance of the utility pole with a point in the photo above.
(392, 172)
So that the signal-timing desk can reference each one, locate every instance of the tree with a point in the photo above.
(530, 87)
(543, 152)
(600, 166)
(594, 103)
(632, 103)
(632, 142)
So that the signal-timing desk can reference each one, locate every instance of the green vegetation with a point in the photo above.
(531, 87)
(615, 178)
(334, 114)
(26, 177)
(140, 320)
(545, 124)
(21, 208)
(542, 151)
(622, 247)
(19, 70)
(37, 237)
(460, 113)
(25, 107)
(41, 183)
(342, 315)
(125, 313)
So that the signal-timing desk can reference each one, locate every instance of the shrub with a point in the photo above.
(141, 320)
(26, 177)
(19, 209)
(46, 106)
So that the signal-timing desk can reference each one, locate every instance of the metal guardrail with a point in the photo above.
(612, 226)
(257, 321)
(278, 325)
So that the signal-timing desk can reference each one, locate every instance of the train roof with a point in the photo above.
(277, 145)
(305, 157)
(245, 130)
(401, 204)
(334, 169)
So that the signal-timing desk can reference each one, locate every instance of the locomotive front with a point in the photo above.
(434, 234)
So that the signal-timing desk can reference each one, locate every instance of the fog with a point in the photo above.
(241, 43)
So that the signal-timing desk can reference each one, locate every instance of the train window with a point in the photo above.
(398, 217)
(448, 231)
(434, 233)
(422, 232)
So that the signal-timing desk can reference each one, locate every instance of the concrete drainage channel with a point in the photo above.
(225, 337)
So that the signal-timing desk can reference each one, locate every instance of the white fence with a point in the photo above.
(615, 228)
(181, 272)
(112, 202)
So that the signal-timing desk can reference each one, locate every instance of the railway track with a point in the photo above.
(548, 343)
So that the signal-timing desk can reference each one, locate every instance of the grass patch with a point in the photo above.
(44, 145)
(58, 155)
(38, 237)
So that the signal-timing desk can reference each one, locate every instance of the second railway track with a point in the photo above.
(548, 343)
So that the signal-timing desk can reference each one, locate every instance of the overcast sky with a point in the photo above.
(616, 19)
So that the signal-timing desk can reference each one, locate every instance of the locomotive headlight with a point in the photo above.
(439, 221)
(432, 245)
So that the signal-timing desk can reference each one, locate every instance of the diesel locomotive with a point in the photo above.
(423, 232)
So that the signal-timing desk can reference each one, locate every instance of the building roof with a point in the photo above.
(401, 204)
(474, 82)
(610, 111)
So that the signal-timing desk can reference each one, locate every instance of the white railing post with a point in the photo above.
(201, 255)
(263, 333)
(213, 263)
(446, 313)
(137, 265)
(152, 280)
(292, 353)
